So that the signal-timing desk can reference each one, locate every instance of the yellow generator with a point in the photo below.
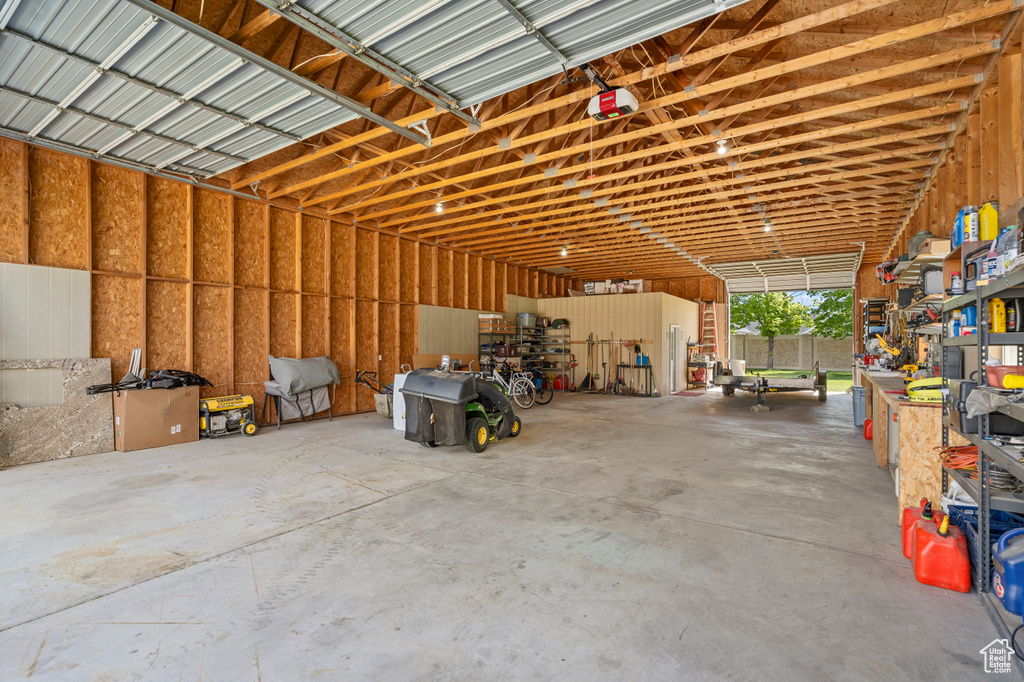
(230, 414)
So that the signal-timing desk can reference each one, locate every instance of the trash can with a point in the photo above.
(859, 405)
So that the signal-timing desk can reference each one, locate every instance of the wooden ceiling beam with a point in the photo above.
(784, 97)
(738, 153)
(887, 39)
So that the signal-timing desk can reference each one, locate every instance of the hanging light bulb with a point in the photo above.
(438, 207)
(767, 226)
(723, 147)
(565, 252)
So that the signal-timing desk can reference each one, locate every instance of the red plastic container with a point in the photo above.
(869, 430)
(940, 556)
(912, 515)
(998, 373)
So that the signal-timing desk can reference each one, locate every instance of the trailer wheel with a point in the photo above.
(477, 435)
(728, 390)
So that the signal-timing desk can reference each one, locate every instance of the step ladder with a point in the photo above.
(709, 328)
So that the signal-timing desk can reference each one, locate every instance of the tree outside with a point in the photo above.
(783, 313)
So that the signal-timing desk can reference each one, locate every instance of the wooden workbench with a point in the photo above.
(920, 436)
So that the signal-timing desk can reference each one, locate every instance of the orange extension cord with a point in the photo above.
(963, 457)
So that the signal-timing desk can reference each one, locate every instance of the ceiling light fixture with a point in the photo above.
(438, 207)
(565, 252)
(723, 147)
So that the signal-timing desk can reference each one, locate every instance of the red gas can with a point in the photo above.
(868, 429)
(910, 516)
(940, 556)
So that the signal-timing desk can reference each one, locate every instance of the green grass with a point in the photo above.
(838, 382)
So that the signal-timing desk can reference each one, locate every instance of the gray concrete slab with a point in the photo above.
(616, 539)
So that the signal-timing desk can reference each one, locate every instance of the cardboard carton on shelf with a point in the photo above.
(155, 417)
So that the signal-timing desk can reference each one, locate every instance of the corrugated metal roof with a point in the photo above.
(107, 77)
(811, 273)
(473, 50)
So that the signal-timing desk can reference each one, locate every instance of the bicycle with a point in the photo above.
(542, 383)
(518, 386)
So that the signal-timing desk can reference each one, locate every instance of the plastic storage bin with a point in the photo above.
(527, 320)
(859, 405)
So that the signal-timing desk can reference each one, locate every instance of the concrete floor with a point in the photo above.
(616, 539)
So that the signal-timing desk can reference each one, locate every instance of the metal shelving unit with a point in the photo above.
(535, 344)
(490, 338)
(989, 452)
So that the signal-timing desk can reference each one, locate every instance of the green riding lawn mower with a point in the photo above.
(444, 408)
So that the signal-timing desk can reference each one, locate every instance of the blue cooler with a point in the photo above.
(1008, 578)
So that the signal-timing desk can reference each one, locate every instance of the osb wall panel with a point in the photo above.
(475, 266)
(428, 274)
(512, 280)
(444, 278)
(211, 237)
(167, 226)
(59, 234)
(314, 326)
(282, 250)
(487, 285)
(366, 349)
(314, 255)
(211, 338)
(116, 320)
(166, 318)
(118, 212)
(409, 324)
(459, 279)
(524, 283)
(343, 260)
(13, 185)
(534, 278)
(390, 345)
(342, 352)
(250, 324)
(250, 244)
(366, 264)
(283, 321)
(500, 286)
(410, 264)
(389, 272)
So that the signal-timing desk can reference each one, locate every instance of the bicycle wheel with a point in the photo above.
(523, 393)
(545, 392)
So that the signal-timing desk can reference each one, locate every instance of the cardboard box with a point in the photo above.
(152, 418)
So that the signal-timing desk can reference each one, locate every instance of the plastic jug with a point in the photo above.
(1008, 578)
(971, 227)
(968, 316)
(912, 515)
(940, 557)
(869, 430)
(988, 218)
(996, 316)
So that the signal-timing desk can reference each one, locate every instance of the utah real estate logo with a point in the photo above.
(997, 655)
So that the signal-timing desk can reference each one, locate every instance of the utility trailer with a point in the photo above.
(815, 380)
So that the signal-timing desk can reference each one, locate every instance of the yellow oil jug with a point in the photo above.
(988, 216)
(996, 316)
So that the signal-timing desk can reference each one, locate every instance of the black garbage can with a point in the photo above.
(435, 406)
